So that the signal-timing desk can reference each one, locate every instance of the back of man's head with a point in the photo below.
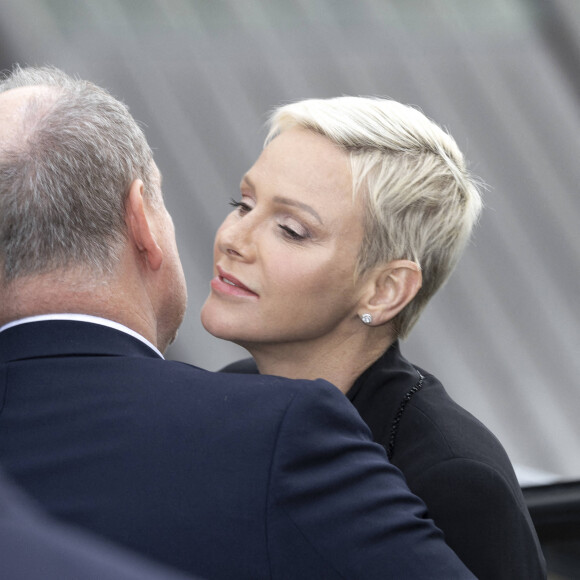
(68, 153)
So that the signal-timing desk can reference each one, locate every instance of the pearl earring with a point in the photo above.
(366, 318)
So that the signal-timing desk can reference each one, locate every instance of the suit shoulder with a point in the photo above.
(244, 379)
(181, 383)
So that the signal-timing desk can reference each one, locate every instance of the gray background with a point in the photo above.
(501, 75)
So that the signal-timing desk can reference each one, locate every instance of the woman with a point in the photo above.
(352, 217)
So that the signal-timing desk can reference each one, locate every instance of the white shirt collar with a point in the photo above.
(83, 318)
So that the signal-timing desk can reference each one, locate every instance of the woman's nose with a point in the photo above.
(235, 239)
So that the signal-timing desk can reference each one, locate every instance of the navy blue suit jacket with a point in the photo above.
(33, 547)
(224, 476)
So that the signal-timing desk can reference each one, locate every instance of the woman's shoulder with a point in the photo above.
(245, 366)
(412, 415)
(436, 431)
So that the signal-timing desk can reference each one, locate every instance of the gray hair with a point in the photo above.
(420, 202)
(65, 175)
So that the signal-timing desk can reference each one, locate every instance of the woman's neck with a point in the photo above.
(339, 364)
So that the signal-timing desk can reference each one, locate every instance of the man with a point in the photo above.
(222, 476)
(32, 547)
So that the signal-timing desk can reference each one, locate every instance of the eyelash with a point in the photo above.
(244, 208)
(294, 236)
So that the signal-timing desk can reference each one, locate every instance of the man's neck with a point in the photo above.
(53, 294)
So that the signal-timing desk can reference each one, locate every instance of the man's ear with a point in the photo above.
(139, 227)
(390, 289)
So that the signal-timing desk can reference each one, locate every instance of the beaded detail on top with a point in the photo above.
(395, 426)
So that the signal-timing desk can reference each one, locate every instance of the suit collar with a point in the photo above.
(49, 338)
(81, 318)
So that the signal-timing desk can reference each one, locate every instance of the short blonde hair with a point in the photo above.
(421, 203)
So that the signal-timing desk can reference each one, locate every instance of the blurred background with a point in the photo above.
(503, 76)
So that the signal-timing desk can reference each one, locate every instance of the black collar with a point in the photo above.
(382, 392)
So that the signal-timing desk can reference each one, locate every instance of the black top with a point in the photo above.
(452, 462)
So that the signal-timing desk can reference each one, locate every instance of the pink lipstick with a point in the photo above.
(225, 283)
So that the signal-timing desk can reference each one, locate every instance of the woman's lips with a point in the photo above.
(225, 283)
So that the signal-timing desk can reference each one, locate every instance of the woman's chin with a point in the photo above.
(212, 327)
(209, 320)
(217, 325)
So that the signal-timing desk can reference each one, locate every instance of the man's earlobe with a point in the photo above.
(139, 227)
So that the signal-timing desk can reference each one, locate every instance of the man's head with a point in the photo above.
(70, 157)
(71, 153)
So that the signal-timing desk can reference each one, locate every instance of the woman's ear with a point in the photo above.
(390, 289)
(139, 227)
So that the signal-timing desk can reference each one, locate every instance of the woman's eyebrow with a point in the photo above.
(286, 200)
(298, 204)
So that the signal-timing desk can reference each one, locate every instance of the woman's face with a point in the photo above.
(284, 258)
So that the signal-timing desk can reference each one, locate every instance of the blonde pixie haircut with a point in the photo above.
(420, 202)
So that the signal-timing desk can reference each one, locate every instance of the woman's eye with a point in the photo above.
(292, 233)
(241, 206)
